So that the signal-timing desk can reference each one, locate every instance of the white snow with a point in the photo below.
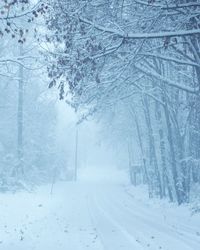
(99, 212)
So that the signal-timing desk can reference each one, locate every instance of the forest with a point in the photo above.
(135, 65)
(109, 83)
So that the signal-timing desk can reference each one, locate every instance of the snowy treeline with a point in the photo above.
(136, 65)
(132, 64)
(28, 152)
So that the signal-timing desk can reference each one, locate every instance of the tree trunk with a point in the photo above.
(20, 151)
(145, 175)
(153, 155)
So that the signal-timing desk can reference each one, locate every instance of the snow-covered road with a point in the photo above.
(93, 215)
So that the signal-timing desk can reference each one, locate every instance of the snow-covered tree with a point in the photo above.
(147, 54)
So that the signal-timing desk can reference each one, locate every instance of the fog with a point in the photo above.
(94, 151)
(99, 125)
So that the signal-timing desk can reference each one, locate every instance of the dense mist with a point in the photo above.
(100, 125)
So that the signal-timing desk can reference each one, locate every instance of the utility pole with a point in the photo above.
(20, 116)
(76, 155)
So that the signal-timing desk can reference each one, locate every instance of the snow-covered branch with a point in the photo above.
(134, 35)
(167, 81)
(168, 6)
(171, 59)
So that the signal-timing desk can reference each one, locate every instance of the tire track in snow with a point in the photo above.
(183, 232)
(99, 234)
(124, 241)
(144, 223)
(141, 206)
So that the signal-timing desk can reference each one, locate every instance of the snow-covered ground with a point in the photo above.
(99, 212)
